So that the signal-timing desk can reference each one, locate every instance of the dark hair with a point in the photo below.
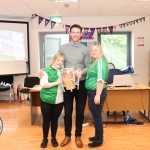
(76, 26)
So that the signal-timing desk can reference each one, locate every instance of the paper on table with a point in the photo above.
(37, 88)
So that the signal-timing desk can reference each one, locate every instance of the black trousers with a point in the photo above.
(80, 99)
(50, 113)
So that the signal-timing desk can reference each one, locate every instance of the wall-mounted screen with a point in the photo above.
(14, 48)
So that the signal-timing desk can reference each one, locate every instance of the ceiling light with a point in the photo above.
(142, 0)
(64, 0)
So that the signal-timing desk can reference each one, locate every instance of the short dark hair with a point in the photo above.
(76, 26)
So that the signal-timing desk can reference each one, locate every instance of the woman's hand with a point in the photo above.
(97, 99)
(59, 81)
(40, 74)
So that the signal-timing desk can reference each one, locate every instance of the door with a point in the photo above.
(52, 44)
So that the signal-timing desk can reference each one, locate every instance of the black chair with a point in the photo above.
(6, 84)
(29, 82)
(111, 65)
(111, 74)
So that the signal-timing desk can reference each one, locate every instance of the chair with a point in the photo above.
(6, 84)
(111, 65)
(111, 74)
(29, 82)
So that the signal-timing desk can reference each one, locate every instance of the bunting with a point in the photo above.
(140, 19)
(34, 16)
(104, 29)
(86, 30)
(40, 19)
(52, 24)
(92, 30)
(111, 29)
(130, 23)
(46, 22)
(120, 25)
(67, 27)
(98, 30)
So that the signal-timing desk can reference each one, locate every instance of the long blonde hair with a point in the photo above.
(57, 55)
(101, 53)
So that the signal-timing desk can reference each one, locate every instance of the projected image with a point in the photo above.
(11, 45)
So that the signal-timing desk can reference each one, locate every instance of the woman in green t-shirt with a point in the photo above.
(96, 90)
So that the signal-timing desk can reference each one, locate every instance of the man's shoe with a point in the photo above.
(54, 142)
(91, 145)
(91, 139)
(65, 141)
(44, 143)
(78, 142)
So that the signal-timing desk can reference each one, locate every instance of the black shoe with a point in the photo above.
(91, 139)
(91, 145)
(44, 143)
(54, 142)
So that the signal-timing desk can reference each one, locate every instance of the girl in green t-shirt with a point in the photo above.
(96, 90)
(51, 96)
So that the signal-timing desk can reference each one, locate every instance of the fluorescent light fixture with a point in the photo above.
(142, 0)
(64, 0)
(57, 19)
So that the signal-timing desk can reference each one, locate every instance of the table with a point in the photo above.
(118, 99)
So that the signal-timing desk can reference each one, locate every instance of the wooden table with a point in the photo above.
(118, 99)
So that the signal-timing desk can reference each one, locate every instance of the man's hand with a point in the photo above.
(78, 73)
(41, 73)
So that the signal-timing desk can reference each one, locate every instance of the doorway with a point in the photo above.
(49, 46)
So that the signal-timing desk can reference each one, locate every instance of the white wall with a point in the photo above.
(140, 54)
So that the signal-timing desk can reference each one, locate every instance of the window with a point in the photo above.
(117, 48)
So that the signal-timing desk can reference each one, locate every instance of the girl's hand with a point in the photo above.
(97, 99)
(41, 73)
(78, 73)
(59, 81)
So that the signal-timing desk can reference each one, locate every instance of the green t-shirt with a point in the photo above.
(97, 73)
(53, 95)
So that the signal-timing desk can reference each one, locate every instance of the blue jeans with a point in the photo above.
(96, 111)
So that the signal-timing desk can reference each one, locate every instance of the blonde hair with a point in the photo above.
(101, 53)
(57, 55)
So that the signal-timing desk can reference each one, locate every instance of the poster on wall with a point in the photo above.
(140, 41)
(87, 36)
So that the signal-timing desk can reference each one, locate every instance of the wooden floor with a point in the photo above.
(19, 134)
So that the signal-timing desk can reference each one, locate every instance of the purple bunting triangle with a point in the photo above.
(86, 30)
(33, 16)
(46, 22)
(40, 19)
(104, 29)
(98, 30)
(52, 24)
(67, 27)
(92, 30)
(111, 29)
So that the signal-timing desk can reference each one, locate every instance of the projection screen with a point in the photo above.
(14, 48)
